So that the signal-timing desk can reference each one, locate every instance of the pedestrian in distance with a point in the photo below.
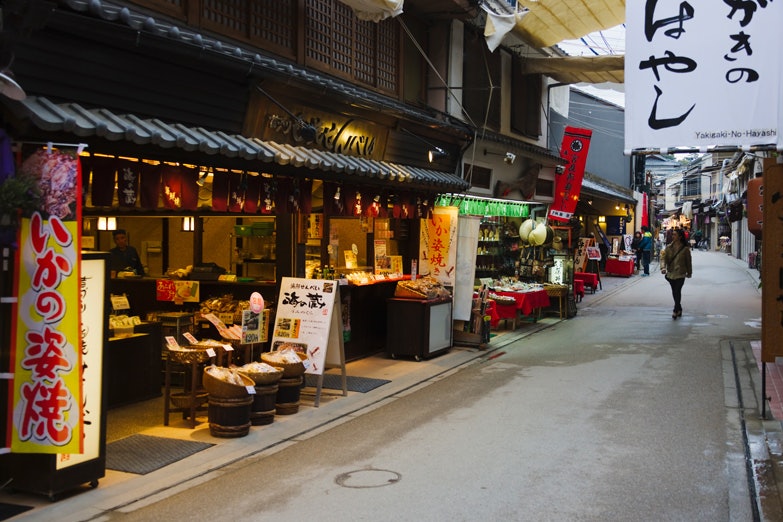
(637, 238)
(646, 245)
(676, 266)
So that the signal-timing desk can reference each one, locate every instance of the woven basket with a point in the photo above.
(289, 369)
(265, 378)
(187, 355)
(220, 388)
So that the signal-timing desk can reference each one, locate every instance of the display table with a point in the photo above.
(526, 304)
(589, 279)
(619, 266)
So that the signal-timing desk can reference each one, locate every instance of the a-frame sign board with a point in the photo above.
(309, 318)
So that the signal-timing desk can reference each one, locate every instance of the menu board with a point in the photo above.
(309, 319)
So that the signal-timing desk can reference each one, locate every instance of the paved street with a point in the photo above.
(618, 414)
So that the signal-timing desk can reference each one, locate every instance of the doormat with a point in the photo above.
(335, 382)
(11, 510)
(142, 454)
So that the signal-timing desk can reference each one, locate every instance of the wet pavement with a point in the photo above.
(755, 445)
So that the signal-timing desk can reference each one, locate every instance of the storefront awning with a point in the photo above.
(578, 69)
(548, 22)
(595, 188)
(74, 119)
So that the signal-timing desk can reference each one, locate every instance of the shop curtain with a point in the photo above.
(268, 196)
(237, 189)
(220, 184)
(128, 174)
(150, 186)
(180, 190)
(104, 171)
(252, 194)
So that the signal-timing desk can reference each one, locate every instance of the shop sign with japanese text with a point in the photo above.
(47, 400)
(702, 73)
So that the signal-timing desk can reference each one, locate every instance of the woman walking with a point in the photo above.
(676, 266)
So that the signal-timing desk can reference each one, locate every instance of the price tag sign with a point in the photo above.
(211, 352)
(120, 302)
(171, 342)
(251, 390)
(190, 338)
(228, 348)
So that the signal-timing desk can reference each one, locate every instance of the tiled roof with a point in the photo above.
(74, 119)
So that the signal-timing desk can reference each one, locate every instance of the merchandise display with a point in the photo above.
(422, 288)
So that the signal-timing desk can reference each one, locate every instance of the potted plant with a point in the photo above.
(18, 195)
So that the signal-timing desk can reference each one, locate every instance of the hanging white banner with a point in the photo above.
(502, 16)
(701, 73)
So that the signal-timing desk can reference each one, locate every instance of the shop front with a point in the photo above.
(224, 183)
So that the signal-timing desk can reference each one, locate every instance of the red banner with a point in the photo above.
(568, 184)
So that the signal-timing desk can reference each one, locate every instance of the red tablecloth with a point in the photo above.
(526, 303)
(615, 266)
(579, 288)
(588, 278)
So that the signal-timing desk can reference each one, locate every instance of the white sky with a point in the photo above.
(610, 41)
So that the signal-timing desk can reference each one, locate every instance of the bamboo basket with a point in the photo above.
(220, 388)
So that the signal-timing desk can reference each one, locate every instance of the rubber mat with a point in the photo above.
(11, 510)
(335, 382)
(142, 454)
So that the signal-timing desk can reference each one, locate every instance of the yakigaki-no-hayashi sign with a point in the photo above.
(702, 73)
(568, 184)
(47, 403)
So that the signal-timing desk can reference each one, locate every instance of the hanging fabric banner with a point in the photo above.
(699, 74)
(438, 244)
(502, 17)
(46, 403)
(568, 184)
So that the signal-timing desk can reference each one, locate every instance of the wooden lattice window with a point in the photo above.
(338, 42)
(267, 25)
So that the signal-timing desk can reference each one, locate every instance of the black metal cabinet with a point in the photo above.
(418, 327)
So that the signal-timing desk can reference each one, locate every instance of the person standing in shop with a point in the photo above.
(646, 245)
(676, 265)
(124, 257)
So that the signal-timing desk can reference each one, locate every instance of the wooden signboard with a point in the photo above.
(580, 256)
(309, 318)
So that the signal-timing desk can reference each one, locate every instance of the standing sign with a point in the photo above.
(684, 60)
(568, 184)
(46, 400)
(309, 319)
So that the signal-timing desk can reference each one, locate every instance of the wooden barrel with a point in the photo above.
(263, 410)
(288, 392)
(229, 417)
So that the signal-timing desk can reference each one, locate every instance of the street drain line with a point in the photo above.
(745, 441)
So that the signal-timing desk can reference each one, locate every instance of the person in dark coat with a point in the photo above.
(637, 238)
(124, 257)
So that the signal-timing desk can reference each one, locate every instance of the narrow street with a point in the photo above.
(618, 414)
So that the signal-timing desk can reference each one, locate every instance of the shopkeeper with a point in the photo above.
(123, 257)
